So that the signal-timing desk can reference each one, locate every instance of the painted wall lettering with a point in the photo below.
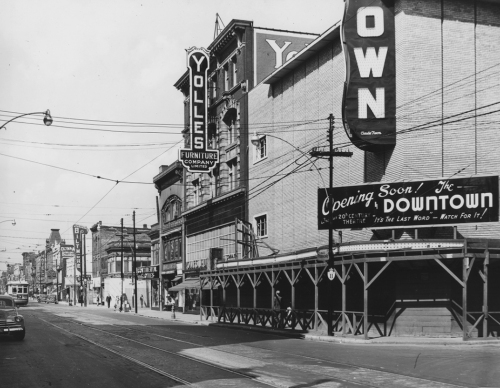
(369, 106)
(272, 49)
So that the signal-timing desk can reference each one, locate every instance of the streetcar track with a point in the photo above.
(321, 360)
(152, 368)
(258, 380)
(329, 362)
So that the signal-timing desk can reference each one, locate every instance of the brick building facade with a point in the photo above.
(446, 115)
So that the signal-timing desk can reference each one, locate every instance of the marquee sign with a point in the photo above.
(197, 158)
(369, 101)
(429, 202)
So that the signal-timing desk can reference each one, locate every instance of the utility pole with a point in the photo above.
(57, 282)
(135, 265)
(121, 266)
(81, 268)
(330, 154)
(330, 229)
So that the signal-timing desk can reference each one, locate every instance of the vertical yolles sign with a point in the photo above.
(197, 158)
(369, 106)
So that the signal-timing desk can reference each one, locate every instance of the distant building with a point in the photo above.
(106, 262)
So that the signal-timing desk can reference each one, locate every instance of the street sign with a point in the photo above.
(87, 277)
(331, 274)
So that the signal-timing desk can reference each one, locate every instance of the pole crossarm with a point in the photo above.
(326, 154)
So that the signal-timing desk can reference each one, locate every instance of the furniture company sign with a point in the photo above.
(197, 157)
(429, 202)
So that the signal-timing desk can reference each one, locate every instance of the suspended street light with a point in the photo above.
(47, 119)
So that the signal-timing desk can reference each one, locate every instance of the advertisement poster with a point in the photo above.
(415, 203)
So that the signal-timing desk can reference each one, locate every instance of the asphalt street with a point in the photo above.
(83, 347)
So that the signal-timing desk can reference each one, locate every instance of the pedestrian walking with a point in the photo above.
(108, 300)
(142, 300)
(277, 307)
(97, 300)
(277, 301)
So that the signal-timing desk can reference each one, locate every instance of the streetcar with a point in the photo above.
(18, 289)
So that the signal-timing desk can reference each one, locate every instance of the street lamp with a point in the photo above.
(47, 119)
(13, 222)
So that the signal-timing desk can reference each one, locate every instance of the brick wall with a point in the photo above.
(446, 63)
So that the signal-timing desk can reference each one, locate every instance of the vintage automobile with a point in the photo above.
(11, 322)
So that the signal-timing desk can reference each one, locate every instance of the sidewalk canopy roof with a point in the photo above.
(188, 283)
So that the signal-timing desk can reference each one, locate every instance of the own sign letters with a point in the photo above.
(369, 106)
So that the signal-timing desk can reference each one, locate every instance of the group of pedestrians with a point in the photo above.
(119, 303)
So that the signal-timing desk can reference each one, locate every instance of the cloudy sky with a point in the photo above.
(106, 70)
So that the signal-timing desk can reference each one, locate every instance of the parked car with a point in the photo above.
(11, 322)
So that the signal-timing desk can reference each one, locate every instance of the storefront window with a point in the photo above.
(155, 293)
(192, 299)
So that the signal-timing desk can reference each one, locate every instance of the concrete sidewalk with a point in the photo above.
(195, 319)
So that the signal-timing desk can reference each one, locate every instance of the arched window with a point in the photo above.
(172, 209)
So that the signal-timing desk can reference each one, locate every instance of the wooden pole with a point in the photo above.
(365, 312)
(316, 297)
(344, 300)
(464, 298)
(254, 290)
(485, 293)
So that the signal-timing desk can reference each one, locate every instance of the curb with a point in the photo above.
(333, 339)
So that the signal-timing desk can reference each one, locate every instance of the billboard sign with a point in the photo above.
(415, 203)
(273, 48)
(197, 157)
(369, 101)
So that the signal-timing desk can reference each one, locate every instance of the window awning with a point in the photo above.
(189, 283)
(177, 278)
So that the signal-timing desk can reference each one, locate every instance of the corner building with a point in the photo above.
(426, 280)
(216, 205)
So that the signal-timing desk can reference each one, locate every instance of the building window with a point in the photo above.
(196, 192)
(173, 249)
(261, 225)
(226, 77)
(231, 169)
(172, 209)
(261, 149)
(214, 182)
(213, 88)
(230, 134)
(235, 71)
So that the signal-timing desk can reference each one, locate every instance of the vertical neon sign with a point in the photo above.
(198, 158)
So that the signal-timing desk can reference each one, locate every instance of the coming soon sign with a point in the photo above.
(369, 107)
(197, 158)
(429, 202)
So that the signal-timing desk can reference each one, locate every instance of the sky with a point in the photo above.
(105, 70)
